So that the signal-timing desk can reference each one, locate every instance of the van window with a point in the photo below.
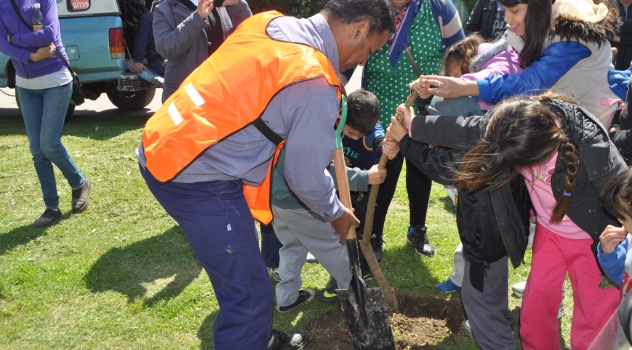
(77, 5)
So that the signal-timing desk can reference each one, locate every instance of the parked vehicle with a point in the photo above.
(93, 35)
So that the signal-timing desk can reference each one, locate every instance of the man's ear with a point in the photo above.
(360, 29)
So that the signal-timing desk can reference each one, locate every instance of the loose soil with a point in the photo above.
(422, 322)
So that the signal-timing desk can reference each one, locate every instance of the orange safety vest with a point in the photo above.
(225, 94)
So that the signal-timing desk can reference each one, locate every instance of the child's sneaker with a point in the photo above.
(310, 258)
(518, 288)
(448, 286)
(328, 295)
(304, 297)
(294, 339)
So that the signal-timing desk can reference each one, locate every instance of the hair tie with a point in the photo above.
(567, 194)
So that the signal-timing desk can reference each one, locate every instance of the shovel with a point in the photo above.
(365, 243)
(363, 309)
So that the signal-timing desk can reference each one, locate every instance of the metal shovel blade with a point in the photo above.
(364, 309)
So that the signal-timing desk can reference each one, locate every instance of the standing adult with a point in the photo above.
(488, 19)
(187, 32)
(424, 30)
(44, 86)
(623, 40)
(206, 154)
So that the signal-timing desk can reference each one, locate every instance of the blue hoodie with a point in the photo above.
(24, 41)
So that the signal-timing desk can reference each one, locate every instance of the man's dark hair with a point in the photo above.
(363, 110)
(379, 13)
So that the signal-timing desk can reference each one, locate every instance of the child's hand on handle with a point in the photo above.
(398, 129)
(390, 148)
(611, 237)
(377, 175)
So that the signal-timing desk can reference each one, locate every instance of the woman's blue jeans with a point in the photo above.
(44, 111)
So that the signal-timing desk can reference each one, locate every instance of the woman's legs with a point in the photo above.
(44, 112)
(418, 186)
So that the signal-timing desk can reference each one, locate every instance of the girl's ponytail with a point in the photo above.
(572, 161)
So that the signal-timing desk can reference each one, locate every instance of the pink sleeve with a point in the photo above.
(505, 62)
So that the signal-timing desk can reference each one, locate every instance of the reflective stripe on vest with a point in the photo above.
(219, 98)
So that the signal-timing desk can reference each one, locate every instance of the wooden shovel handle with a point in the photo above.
(343, 185)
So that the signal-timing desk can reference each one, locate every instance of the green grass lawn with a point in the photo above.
(122, 276)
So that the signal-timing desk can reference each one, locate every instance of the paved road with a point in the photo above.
(103, 106)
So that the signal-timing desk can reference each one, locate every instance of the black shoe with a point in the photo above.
(294, 339)
(81, 197)
(328, 295)
(48, 218)
(418, 237)
(304, 297)
(376, 245)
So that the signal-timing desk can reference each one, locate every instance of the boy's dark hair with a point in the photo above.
(616, 195)
(363, 111)
(379, 13)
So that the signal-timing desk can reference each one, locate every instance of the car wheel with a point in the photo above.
(131, 101)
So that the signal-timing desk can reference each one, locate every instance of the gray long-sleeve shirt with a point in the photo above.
(303, 114)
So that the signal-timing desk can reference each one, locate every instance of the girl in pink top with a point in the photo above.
(473, 59)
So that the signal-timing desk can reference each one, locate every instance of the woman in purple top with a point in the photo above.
(44, 86)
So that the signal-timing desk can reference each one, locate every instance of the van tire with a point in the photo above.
(69, 112)
(132, 101)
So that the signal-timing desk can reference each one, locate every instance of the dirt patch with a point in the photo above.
(423, 322)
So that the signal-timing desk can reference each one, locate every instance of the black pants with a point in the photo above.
(418, 186)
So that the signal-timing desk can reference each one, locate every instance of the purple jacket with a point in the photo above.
(24, 41)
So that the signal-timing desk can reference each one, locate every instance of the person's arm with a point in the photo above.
(437, 163)
(310, 147)
(238, 13)
(557, 59)
(46, 35)
(172, 43)
(358, 178)
(474, 22)
(505, 62)
(17, 53)
(447, 131)
(612, 260)
(452, 28)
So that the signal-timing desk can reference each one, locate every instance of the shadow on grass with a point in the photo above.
(205, 333)
(410, 269)
(155, 269)
(96, 127)
(23, 235)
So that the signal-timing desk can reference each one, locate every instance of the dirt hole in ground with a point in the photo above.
(422, 322)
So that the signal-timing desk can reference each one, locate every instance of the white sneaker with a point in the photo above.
(466, 326)
(531, 235)
(311, 259)
(518, 288)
